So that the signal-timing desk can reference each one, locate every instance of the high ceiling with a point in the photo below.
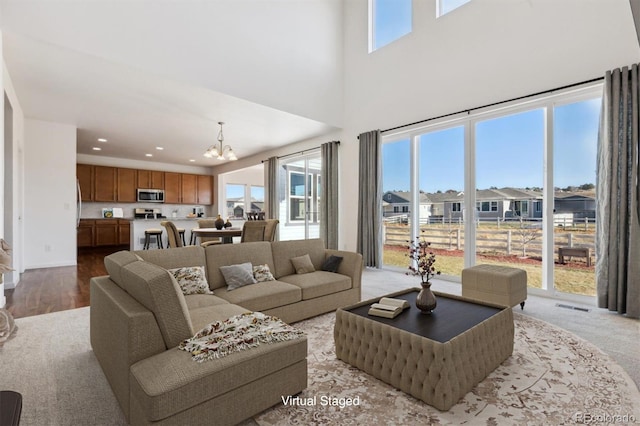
(144, 75)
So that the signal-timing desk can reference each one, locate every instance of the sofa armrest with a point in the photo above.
(122, 332)
(350, 266)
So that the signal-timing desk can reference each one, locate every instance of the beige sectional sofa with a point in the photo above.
(139, 316)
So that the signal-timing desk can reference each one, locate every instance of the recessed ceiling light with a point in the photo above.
(159, 148)
(149, 155)
(95, 148)
(102, 140)
(192, 160)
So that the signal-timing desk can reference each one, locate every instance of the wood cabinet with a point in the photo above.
(103, 232)
(84, 174)
(172, 188)
(150, 179)
(85, 233)
(104, 183)
(189, 189)
(124, 232)
(127, 185)
(106, 232)
(119, 184)
(205, 189)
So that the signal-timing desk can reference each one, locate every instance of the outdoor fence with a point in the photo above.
(498, 241)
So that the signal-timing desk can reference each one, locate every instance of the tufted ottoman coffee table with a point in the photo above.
(437, 358)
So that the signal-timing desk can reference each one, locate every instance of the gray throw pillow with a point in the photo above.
(302, 264)
(237, 276)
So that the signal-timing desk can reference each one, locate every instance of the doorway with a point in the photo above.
(8, 183)
(300, 196)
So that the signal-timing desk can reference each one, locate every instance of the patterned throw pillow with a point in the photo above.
(192, 280)
(262, 273)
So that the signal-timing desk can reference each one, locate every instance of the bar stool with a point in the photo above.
(181, 232)
(147, 238)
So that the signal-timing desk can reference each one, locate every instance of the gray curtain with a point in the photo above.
(617, 209)
(329, 194)
(271, 184)
(370, 202)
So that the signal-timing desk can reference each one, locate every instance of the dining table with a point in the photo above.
(225, 234)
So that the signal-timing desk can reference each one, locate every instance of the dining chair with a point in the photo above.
(271, 225)
(173, 234)
(253, 230)
(207, 241)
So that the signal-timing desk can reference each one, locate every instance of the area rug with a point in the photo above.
(552, 378)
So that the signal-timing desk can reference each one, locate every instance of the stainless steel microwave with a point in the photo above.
(150, 195)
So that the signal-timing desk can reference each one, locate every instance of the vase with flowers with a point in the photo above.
(422, 264)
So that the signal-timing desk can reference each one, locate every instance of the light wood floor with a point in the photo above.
(45, 290)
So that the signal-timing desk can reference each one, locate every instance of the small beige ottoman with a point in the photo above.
(502, 285)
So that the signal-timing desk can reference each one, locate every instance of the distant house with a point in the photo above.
(503, 203)
(579, 205)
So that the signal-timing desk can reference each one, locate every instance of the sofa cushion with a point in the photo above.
(114, 263)
(237, 276)
(318, 283)
(156, 289)
(185, 383)
(284, 251)
(256, 253)
(174, 258)
(201, 317)
(262, 296)
(191, 279)
(195, 301)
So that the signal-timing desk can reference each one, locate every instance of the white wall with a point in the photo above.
(50, 194)
(100, 160)
(483, 52)
(11, 279)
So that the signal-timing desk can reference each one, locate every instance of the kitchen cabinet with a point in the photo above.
(124, 232)
(189, 189)
(104, 183)
(85, 233)
(205, 189)
(150, 179)
(106, 232)
(172, 188)
(103, 232)
(127, 181)
(84, 174)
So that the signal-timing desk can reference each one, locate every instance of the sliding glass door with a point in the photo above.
(513, 185)
(299, 190)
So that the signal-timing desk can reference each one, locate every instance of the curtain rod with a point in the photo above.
(593, 80)
(300, 152)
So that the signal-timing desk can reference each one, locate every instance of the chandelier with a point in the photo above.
(218, 150)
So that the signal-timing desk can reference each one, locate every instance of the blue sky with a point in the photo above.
(509, 152)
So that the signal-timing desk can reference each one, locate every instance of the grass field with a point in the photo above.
(570, 278)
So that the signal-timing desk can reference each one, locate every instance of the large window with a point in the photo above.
(513, 186)
(446, 6)
(238, 204)
(390, 20)
(299, 196)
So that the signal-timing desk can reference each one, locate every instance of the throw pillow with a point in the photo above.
(262, 273)
(332, 263)
(192, 280)
(302, 264)
(237, 276)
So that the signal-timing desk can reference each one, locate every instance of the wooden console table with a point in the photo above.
(574, 251)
